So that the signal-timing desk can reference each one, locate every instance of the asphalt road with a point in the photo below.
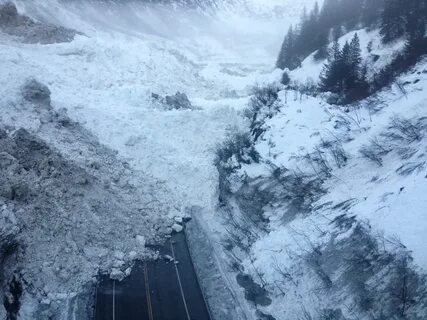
(155, 290)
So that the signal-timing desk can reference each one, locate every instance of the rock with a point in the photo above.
(30, 31)
(141, 240)
(118, 263)
(177, 227)
(132, 141)
(3, 134)
(178, 220)
(178, 101)
(6, 191)
(156, 96)
(36, 92)
(119, 255)
(8, 13)
(82, 180)
(133, 255)
(6, 160)
(168, 258)
(116, 274)
(96, 165)
(62, 117)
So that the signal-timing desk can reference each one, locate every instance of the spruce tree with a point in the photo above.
(358, 81)
(371, 13)
(322, 44)
(344, 74)
(329, 78)
(287, 56)
(393, 20)
(355, 52)
(416, 16)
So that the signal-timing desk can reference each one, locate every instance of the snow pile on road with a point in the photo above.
(79, 207)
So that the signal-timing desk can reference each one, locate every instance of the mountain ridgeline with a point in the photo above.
(345, 72)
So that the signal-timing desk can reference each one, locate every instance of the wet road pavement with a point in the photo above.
(155, 290)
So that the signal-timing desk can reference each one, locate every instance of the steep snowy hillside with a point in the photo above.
(324, 205)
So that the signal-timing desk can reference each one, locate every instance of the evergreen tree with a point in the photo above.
(355, 52)
(344, 74)
(350, 13)
(371, 13)
(329, 79)
(393, 20)
(287, 56)
(416, 16)
(322, 52)
(358, 83)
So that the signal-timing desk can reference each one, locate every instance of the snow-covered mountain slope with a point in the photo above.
(376, 54)
(326, 212)
(157, 160)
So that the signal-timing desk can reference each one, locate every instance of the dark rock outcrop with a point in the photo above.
(178, 101)
(36, 92)
(30, 31)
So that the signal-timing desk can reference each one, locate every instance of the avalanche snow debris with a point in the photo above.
(55, 204)
(80, 214)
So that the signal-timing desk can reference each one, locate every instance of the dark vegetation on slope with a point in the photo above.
(344, 73)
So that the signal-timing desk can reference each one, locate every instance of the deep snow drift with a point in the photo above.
(93, 166)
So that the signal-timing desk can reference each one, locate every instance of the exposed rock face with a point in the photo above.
(178, 101)
(8, 14)
(29, 31)
(34, 91)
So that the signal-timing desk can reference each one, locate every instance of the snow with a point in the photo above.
(312, 69)
(301, 124)
(104, 79)
(392, 204)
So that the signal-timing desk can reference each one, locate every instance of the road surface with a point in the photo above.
(155, 290)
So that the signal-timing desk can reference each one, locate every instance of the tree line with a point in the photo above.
(344, 72)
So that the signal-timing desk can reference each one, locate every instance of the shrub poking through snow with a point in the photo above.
(400, 135)
(263, 105)
(379, 272)
(236, 150)
(285, 78)
(375, 151)
(408, 130)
